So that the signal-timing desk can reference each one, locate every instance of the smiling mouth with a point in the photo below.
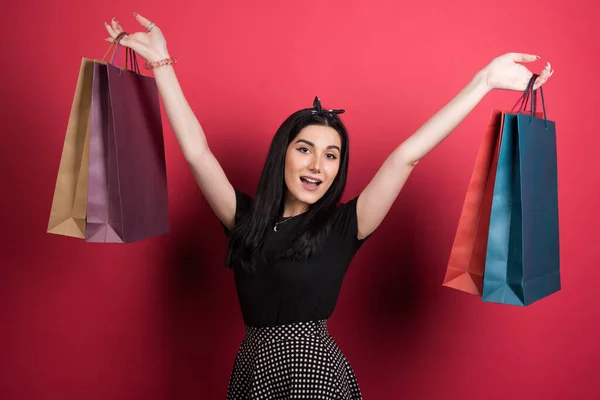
(310, 181)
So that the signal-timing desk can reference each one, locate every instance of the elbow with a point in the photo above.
(193, 156)
(194, 149)
(403, 157)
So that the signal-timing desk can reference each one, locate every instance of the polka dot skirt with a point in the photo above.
(295, 361)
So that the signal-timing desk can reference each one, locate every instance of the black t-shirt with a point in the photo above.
(285, 291)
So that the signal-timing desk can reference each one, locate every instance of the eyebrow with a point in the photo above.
(313, 145)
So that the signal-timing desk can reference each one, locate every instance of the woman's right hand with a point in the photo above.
(150, 45)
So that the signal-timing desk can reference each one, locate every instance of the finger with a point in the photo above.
(544, 76)
(541, 81)
(538, 82)
(115, 25)
(124, 40)
(110, 30)
(142, 20)
(119, 27)
(521, 57)
(114, 40)
(119, 30)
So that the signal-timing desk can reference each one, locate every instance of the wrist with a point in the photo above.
(158, 55)
(480, 81)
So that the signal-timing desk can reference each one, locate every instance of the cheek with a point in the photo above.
(332, 171)
(295, 162)
(291, 166)
(289, 162)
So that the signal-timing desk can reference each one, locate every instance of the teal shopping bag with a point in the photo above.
(523, 257)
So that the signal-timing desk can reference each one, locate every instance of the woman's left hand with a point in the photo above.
(504, 72)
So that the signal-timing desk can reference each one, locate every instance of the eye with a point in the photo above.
(331, 156)
(303, 149)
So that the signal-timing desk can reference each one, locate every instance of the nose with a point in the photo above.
(315, 164)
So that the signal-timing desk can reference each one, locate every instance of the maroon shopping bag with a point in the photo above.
(127, 182)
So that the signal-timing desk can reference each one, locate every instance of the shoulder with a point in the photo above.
(243, 203)
(344, 222)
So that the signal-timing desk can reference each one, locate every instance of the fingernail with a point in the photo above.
(135, 14)
(538, 57)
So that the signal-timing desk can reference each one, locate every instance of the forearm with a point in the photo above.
(438, 127)
(184, 123)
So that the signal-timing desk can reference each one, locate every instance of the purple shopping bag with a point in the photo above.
(127, 182)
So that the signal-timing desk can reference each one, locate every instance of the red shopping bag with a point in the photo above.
(467, 258)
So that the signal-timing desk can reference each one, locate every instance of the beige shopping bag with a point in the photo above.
(69, 205)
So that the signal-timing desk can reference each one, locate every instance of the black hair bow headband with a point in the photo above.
(319, 109)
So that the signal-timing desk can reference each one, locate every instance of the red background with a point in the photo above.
(159, 319)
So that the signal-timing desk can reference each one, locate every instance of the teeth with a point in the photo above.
(311, 180)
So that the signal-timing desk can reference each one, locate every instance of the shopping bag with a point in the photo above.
(69, 203)
(465, 267)
(466, 264)
(523, 257)
(127, 183)
(111, 184)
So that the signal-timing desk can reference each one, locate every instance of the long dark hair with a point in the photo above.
(248, 235)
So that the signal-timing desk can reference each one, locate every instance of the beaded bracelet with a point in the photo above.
(160, 63)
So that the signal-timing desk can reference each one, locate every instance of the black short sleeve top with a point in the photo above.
(285, 291)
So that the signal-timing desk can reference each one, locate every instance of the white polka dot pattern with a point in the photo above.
(295, 361)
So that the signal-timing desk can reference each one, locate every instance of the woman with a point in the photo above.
(290, 246)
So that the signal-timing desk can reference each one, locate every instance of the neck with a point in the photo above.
(293, 206)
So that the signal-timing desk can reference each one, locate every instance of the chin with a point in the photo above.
(310, 198)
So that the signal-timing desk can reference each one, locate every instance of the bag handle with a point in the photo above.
(524, 99)
(115, 47)
(134, 63)
(533, 106)
(111, 46)
(130, 53)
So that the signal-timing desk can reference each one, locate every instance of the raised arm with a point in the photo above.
(206, 169)
(376, 199)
